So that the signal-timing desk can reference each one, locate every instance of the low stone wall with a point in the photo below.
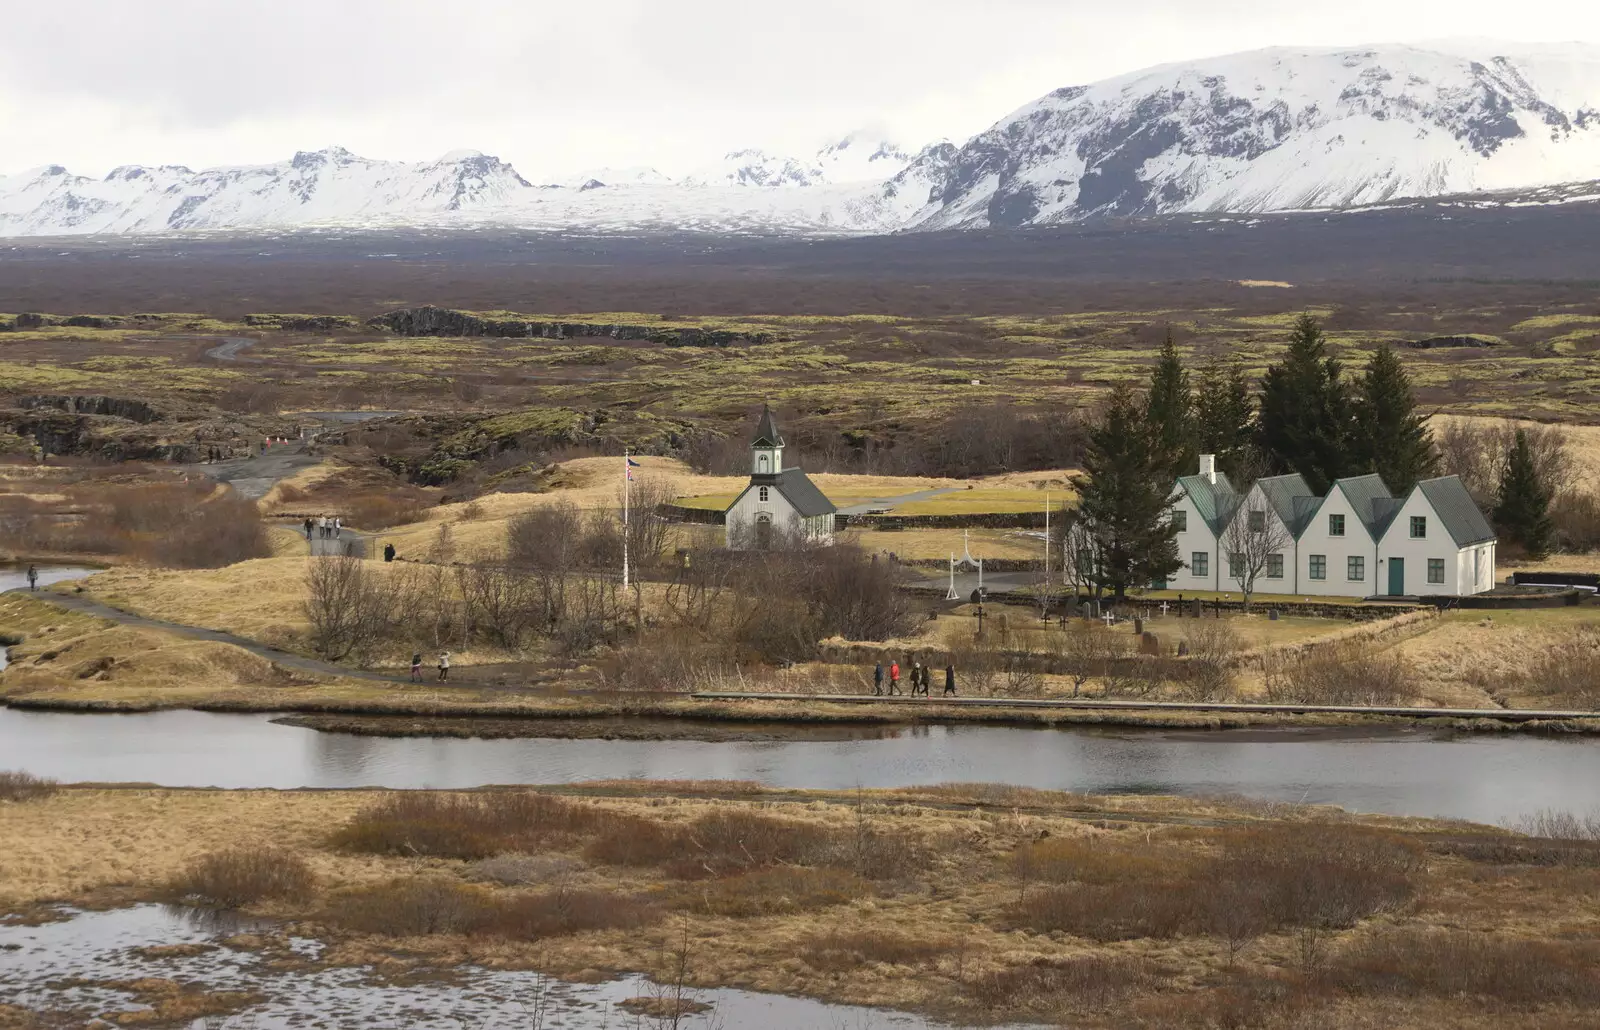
(1552, 598)
(432, 321)
(698, 516)
(1566, 579)
(962, 520)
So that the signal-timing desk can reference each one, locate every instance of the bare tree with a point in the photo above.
(350, 609)
(1254, 540)
(1476, 451)
(1076, 547)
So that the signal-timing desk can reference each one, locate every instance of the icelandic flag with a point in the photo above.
(631, 466)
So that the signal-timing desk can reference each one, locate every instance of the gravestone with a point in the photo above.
(1183, 648)
(1272, 616)
(1138, 627)
(1194, 607)
(1150, 644)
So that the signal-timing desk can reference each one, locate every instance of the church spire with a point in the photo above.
(766, 430)
(766, 450)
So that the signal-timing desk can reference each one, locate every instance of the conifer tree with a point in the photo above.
(1169, 410)
(1125, 498)
(1391, 438)
(1305, 422)
(1224, 415)
(1522, 509)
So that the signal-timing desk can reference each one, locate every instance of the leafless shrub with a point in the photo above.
(1049, 985)
(842, 950)
(781, 890)
(1350, 674)
(1209, 674)
(1556, 824)
(464, 826)
(520, 870)
(1568, 670)
(1476, 451)
(350, 607)
(21, 786)
(1462, 964)
(243, 876)
(408, 907)
(1089, 653)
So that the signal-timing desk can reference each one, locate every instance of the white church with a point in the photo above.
(1357, 540)
(780, 505)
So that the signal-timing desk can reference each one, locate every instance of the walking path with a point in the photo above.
(1501, 714)
(878, 503)
(286, 659)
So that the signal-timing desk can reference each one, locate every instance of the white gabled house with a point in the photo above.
(1357, 540)
(779, 505)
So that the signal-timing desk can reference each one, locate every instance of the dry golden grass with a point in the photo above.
(1582, 441)
(935, 935)
(1478, 658)
(939, 544)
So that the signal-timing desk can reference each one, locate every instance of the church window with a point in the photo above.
(763, 463)
(763, 494)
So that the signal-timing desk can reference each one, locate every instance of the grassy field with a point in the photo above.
(964, 902)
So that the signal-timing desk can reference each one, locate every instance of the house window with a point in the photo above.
(1435, 570)
(1419, 527)
(1355, 569)
(1235, 565)
(1180, 520)
(763, 494)
(1200, 563)
(1319, 566)
(1336, 525)
(1258, 522)
(1274, 566)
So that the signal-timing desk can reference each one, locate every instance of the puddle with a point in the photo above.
(44, 968)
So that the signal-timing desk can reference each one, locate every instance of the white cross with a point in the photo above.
(1164, 607)
(1109, 618)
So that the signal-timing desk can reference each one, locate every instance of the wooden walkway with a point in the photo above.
(1500, 714)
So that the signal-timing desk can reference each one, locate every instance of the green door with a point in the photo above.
(1397, 576)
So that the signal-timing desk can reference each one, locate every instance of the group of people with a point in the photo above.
(416, 666)
(921, 679)
(324, 526)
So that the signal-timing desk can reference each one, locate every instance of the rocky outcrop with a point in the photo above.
(302, 323)
(1452, 341)
(432, 321)
(116, 407)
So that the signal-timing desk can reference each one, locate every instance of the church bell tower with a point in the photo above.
(766, 450)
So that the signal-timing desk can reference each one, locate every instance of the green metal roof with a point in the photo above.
(1215, 501)
(1283, 493)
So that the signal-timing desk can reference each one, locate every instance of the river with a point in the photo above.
(1486, 778)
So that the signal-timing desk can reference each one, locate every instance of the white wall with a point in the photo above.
(740, 533)
(1196, 536)
(1337, 549)
(1256, 500)
(1398, 543)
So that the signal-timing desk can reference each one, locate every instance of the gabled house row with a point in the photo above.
(1357, 540)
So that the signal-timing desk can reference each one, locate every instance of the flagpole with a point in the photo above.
(1045, 599)
(627, 479)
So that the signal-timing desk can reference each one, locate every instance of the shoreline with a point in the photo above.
(555, 717)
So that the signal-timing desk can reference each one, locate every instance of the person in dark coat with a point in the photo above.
(877, 679)
(927, 679)
(916, 678)
(416, 667)
(950, 680)
(308, 527)
(388, 552)
(33, 577)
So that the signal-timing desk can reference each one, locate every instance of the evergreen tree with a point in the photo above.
(1169, 411)
(1522, 510)
(1305, 423)
(1224, 415)
(1125, 498)
(1391, 438)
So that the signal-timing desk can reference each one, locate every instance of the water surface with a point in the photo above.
(1492, 779)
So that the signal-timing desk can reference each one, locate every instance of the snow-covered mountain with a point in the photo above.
(1268, 130)
(331, 185)
(1284, 129)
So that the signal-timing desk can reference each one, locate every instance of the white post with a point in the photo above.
(1044, 595)
(627, 479)
(952, 595)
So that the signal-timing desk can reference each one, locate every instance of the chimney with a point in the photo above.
(1208, 467)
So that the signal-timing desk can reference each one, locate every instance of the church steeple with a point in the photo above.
(766, 450)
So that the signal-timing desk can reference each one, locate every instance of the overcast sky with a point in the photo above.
(555, 87)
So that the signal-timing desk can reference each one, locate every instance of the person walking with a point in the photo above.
(444, 665)
(894, 678)
(416, 666)
(33, 577)
(927, 679)
(916, 678)
(337, 526)
(877, 680)
(309, 525)
(950, 680)
(388, 552)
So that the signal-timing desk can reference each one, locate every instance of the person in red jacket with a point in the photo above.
(894, 677)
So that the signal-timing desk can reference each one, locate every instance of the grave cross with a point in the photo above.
(1109, 618)
(1164, 607)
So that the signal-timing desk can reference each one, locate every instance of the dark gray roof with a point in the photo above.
(1456, 509)
(1215, 501)
(1305, 509)
(1282, 492)
(766, 431)
(1384, 509)
(796, 488)
(1365, 494)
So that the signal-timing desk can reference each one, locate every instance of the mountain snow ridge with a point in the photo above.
(1266, 130)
